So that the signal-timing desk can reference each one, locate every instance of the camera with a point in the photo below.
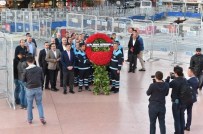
(153, 78)
(172, 75)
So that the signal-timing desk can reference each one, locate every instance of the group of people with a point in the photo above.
(62, 54)
(184, 94)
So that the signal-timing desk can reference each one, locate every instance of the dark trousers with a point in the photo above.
(76, 75)
(83, 77)
(157, 110)
(61, 73)
(115, 79)
(189, 115)
(46, 77)
(68, 76)
(133, 62)
(178, 116)
(200, 78)
(53, 77)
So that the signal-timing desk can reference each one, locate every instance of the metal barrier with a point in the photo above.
(74, 22)
(89, 24)
(105, 24)
(188, 38)
(6, 70)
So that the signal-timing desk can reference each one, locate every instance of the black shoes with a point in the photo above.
(142, 69)
(64, 92)
(187, 128)
(43, 121)
(80, 89)
(112, 89)
(47, 88)
(129, 71)
(116, 90)
(53, 89)
(71, 91)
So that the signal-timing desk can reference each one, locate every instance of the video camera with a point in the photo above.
(172, 75)
(153, 78)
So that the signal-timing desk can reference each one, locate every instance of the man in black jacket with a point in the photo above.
(21, 48)
(196, 62)
(134, 50)
(16, 60)
(43, 63)
(193, 82)
(177, 107)
(157, 91)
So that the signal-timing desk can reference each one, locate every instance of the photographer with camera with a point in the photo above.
(157, 92)
(178, 107)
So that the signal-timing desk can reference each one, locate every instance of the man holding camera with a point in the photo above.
(178, 108)
(157, 91)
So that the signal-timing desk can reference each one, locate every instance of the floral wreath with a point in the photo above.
(99, 49)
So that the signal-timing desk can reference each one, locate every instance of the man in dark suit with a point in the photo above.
(62, 47)
(67, 61)
(43, 63)
(133, 47)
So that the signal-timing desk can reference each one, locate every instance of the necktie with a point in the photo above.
(69, 55)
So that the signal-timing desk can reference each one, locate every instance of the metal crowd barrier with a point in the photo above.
(6, 70)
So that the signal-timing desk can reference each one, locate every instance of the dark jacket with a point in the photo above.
(15, 67)
(176, 86)
(20, 49)
(116, 60)
(83, 61)
(194, 83)
(33, 77)
(42, 62)
(158, 91)
(66, 61)
(58, 42)
(21, 68)
(196, 62)
(137, 46)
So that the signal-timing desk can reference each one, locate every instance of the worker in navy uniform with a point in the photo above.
(120, 47)
(157, 91)
(83, 66)
(76, 51)
(115, 67)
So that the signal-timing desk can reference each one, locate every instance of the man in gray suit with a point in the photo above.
(53, 58)
(31, 46)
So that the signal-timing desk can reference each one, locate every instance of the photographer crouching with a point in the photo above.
(157, 91)
(177, 106)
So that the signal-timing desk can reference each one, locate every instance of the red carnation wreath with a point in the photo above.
(99, 58)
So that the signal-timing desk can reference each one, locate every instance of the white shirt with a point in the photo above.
(134, 42)
(68, 54)
(54, 54)
(64, 47)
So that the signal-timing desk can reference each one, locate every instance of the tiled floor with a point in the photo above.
(85, 113)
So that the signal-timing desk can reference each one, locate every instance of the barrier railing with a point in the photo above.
(6, 70)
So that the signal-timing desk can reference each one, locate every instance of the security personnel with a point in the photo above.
(83, 67)
(115, 67)
(76, 51)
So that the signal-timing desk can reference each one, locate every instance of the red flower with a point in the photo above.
(100, 57)
(96, 36)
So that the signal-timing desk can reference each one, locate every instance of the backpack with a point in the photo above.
(186, 94)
